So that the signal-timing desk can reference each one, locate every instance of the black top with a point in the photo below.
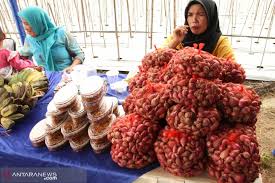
(212, 34)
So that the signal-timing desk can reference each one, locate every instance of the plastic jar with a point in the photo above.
(78, 114)
(38, 133)
(115, 104)
(100, 148)
(93, 106)
(103, 113)
(52, 127)
(71, 129)
(92, 89)
(55, 114)
(55, 141)
(78, 142)
(65, 98)
(98, 131)
(78, 105)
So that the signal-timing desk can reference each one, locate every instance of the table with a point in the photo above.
(16, 150)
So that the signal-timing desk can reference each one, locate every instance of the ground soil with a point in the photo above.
(266, 127)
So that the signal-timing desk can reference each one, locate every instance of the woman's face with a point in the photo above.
(28, 28)
(197, 19)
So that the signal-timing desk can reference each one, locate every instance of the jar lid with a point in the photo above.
(91, 85)
(52, 110)
(66, 95)
(38, 132)
(99, 130)
(105, 110)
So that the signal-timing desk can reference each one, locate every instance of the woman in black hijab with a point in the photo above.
(201, 26)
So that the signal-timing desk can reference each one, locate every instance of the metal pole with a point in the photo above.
(232, 18)
(86, 7)
(169, 16)
(135, 14)
(20, 28)
(161, 13)
(84, 21)
(9, 18)
(166, 19)
(257, 7)
(146, 25)
(106, 13)
(3, 20)
(91, 34)
(129, 19)
(117, 40)
(268, 34)
(175, 14)
(51, 13)
(152, 18)
(263, 22)
(121, 16)
(247, 17)
(101, 24)
(77, 14)
(56, 13)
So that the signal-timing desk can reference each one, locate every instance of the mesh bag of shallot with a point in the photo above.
(233, 155)
(194, 91)
(191, 61)
(129, 103)
(166, 73)
(152, 75)
(126, 158)
(152, 101)
(239, 104)
(197, 121)
(132, 139)
(180, 153)
(157, 58)
(232, 72)
(138, 81)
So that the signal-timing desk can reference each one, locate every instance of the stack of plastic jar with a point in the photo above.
(75, 130)
(101, 121)
(99, 111)
(92, 90)
(38, 134)
(98, 134)
(78, 119)
(66, 97)
(54, 119)
(57, 115)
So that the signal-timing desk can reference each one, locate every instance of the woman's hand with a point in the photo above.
(178, 36)
(69, 69)
(180, 32)
(38, 68)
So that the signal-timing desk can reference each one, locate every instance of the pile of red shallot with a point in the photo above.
(209, 117)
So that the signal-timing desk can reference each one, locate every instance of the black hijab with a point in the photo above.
(212, 34)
